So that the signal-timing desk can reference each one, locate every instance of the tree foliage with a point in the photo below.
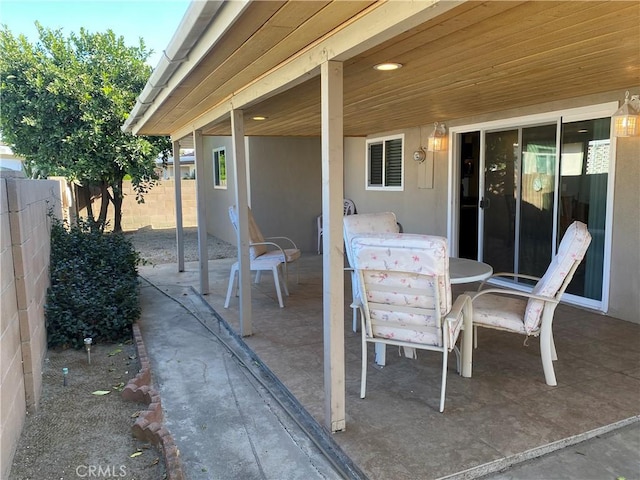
(64, 101)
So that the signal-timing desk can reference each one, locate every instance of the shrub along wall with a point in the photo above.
(94, 286)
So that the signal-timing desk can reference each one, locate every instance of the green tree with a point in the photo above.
(63, 101)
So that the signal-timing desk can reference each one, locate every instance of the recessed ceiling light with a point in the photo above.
(387, 66)
(259, 118)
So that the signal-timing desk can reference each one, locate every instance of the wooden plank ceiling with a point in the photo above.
(477, 58)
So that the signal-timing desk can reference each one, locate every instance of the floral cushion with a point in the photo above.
(500, 311)
(572, 249)
(383, 222)
(392, 266)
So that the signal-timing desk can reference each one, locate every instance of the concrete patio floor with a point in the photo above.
(504, 414)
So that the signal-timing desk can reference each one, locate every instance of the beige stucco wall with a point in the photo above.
(422, 206)
(24, 257)
(624, 298)
(285, 188)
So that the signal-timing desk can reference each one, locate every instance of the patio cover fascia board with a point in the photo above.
(203, 24)
(378, 24)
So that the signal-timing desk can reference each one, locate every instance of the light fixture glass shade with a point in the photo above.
(437, 141)
(626, 118)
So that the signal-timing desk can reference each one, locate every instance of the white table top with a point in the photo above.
(463, 270)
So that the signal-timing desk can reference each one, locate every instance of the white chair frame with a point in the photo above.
(449, 325)
(548, 352)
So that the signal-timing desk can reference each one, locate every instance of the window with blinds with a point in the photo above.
(384, 163)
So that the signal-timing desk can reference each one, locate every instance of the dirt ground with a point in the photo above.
(75, 431)
(78, 434)
(159, 246)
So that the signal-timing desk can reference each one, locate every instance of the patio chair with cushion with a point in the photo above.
(383, 222)
(265, 254)
(406, 296)
(532, 313)
(348, 208)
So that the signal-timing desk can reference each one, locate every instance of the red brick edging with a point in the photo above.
(148, 427)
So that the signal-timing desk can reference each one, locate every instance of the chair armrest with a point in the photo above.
(455, 318)
(283, 238)
(510, 275)
(517, 293)
(273, 244)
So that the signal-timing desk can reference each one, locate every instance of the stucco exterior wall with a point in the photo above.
(422, 205)
(220, 199)
(624, 298)
(285, 188)
(24, 255)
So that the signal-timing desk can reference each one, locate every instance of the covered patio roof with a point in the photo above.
(308, 68)
(459, 59)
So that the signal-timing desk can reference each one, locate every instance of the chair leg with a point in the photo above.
(468, 331)
(276, 280)
(353, 300)
(355, 319)
(232, 281)
(458, 360)
(443, 387)
(284, 284)
(547, 348)
(285, 272)
(363, 378)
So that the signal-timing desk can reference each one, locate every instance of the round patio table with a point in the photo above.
(464, 270)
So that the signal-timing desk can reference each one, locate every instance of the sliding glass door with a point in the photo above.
(536, 181)
(584, 177)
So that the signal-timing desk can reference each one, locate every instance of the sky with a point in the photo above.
(155, 21)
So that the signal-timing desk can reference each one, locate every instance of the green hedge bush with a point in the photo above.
(94, 285)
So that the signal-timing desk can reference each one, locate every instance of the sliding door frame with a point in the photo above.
(559, 117)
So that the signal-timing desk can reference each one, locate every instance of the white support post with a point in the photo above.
(177, 190)
(201, 209)
(243, 239)
(332, 244)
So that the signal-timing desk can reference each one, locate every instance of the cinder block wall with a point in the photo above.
(159, 208)
(24, 270)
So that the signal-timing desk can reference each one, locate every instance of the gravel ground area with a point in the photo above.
(159, 246)
(78, 434)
